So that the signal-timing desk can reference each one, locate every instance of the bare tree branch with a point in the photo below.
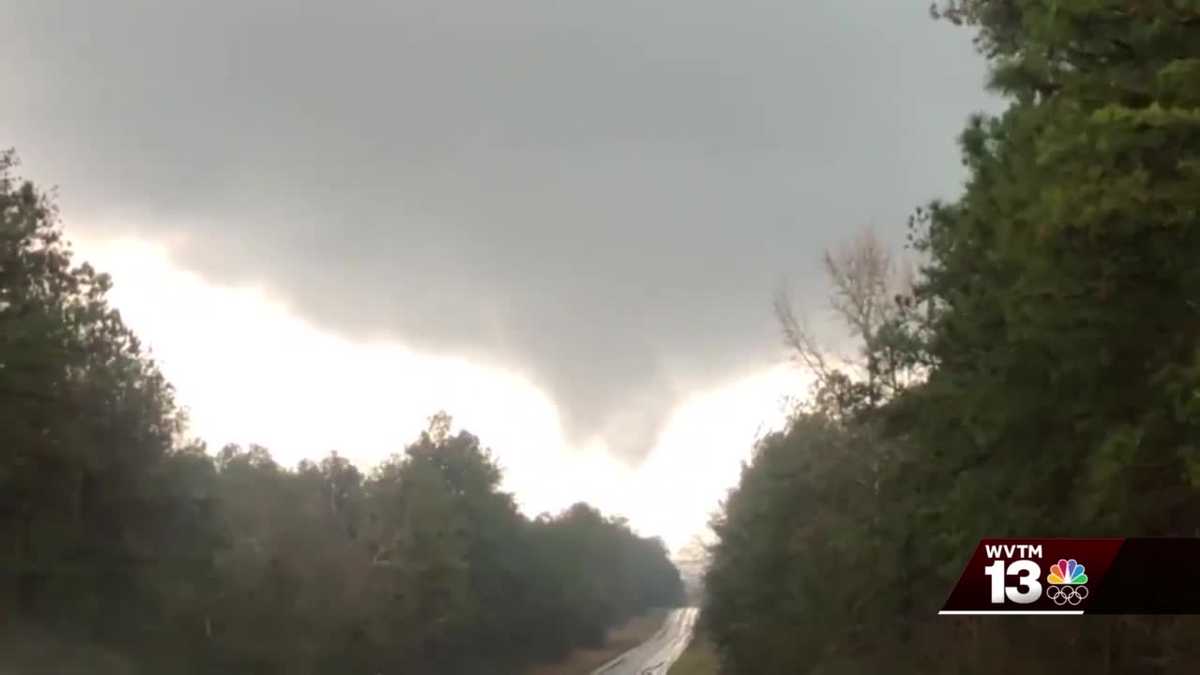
(799, 337)
(870, 294)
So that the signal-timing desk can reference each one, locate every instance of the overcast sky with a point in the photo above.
(595, 200)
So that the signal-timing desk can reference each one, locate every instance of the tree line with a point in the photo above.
(119, 535)
(1039, 376)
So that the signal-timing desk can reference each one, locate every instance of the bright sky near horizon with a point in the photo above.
(250, 371)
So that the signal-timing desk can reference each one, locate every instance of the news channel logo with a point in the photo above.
(1067, 583)
(1019, 580)
(1076, 576)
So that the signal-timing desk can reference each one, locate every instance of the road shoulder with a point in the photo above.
(700, 658)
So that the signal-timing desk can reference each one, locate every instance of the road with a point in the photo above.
(655, 656)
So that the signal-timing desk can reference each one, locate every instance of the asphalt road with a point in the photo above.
(655, 656)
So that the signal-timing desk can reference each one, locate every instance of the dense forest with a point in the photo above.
(1040, 376)
(125, 548)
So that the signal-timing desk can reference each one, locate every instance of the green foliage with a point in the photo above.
(93, 494)
(1057, 322)
(121, 544)
(425, 566)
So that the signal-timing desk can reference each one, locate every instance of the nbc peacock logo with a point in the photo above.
(1067, 581)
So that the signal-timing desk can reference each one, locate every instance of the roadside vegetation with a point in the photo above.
(620, 639)
(1038, 376)
(126, 547)
(699, 659)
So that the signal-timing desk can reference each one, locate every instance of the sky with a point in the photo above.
(562, 222)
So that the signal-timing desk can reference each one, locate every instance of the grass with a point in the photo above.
(34, 652)
(620, 640)
(699, 659)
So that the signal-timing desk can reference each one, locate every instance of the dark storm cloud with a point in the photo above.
(602, 195)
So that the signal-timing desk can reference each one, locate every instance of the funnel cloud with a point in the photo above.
(601, 196)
